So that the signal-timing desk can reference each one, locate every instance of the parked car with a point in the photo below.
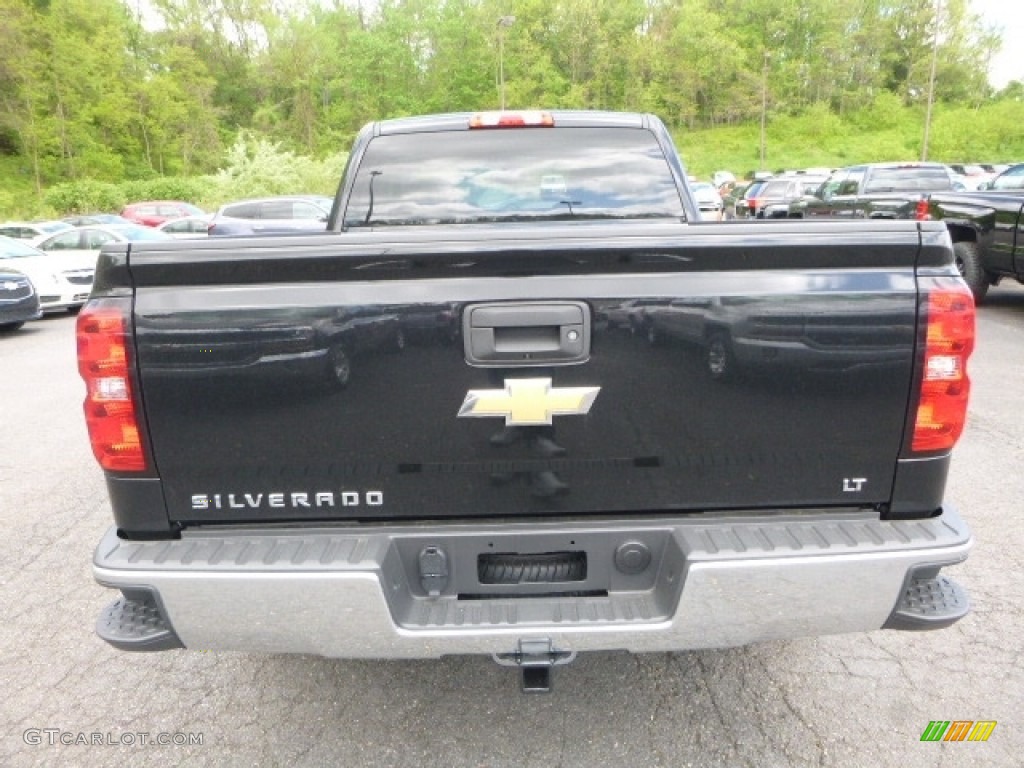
(678, 511)
(971, 175)
(1011, 178)
(89, 219)
(30, 230)
(87, 241)
(995, 168)
(746, 204)
(272, 215)
(187, 227)
(630, 314)
(774, 199)
(19, 301)
(155, 212)
(61, 280)
(708, 200)
(736, 335)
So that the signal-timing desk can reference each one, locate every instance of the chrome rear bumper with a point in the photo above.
(356, 592)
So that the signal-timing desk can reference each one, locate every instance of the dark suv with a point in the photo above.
(272, 215)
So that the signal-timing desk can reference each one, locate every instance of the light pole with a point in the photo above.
(764, 103)
(931, 82)
(504, 22)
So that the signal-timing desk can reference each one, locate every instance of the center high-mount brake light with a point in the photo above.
(945, 386)
(525, 119)
(103, 362)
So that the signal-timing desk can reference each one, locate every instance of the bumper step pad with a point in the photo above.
(136, 624)
(929, 603)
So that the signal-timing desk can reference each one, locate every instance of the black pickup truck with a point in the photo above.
(986, 226)
(417, 434)
(874, 191)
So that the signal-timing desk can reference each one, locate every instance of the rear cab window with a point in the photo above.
(466, 177)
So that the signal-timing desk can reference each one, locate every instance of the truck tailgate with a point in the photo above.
(334, 377)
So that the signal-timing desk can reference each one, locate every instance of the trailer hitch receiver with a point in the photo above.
(535, 657)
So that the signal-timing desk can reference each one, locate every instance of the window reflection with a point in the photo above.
(485, 176)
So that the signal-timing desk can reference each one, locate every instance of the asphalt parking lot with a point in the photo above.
(836, 701)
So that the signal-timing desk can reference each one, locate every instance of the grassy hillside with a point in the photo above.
(886, 131)
(818, 137)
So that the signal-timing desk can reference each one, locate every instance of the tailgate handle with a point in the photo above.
(527, 333)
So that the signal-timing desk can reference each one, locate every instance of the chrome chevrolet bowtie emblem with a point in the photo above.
(528, 402)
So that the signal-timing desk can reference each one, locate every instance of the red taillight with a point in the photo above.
(921, 211)
(523, 119)
(945, 386)
(109, 408)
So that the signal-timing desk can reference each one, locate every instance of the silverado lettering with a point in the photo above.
(281, 500)
(674, 422)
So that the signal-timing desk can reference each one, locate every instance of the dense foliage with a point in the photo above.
(97, 92)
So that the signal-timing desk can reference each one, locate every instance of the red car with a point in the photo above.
(155, 212)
